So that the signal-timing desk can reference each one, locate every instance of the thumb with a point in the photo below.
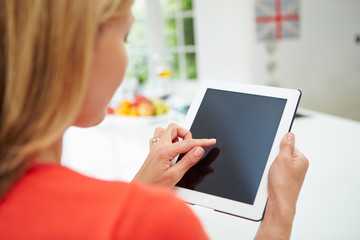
(189, 160)
(287, 144)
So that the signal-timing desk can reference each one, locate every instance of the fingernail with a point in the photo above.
(212, 140)
(291, 137)
(198, 152)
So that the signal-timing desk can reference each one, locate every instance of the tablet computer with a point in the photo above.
(248, 122)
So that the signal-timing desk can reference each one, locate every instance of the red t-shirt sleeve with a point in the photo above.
(185, 225)
(160, 215)
(52, 202)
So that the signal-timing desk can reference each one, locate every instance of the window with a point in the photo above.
(173, 29)
(137, 44)
(179, 37)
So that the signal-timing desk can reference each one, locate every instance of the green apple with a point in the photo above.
(160, 106)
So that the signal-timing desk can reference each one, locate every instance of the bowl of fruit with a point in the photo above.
(140, 108)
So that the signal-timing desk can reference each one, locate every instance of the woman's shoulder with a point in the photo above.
(65, 179)
(56, 181)
(60, 196)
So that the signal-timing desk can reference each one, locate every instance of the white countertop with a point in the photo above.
(328, 206)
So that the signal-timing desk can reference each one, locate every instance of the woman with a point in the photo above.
(60, 63)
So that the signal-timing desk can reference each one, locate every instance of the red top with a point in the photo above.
(54, 202)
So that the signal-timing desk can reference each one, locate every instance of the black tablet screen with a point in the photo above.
(244, 126)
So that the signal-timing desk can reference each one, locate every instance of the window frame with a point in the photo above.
(152, 17)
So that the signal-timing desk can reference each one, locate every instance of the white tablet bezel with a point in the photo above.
(253, 212)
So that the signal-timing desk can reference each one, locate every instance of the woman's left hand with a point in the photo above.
(164, 147)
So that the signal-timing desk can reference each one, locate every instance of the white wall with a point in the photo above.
(222, 38)
(324, 62)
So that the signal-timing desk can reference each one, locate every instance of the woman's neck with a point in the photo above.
(51, 154)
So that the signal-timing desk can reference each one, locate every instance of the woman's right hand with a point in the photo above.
(286, 176)
(170, 142)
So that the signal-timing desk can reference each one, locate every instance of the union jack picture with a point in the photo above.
(277, 19)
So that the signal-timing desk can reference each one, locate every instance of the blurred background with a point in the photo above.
(310, 45)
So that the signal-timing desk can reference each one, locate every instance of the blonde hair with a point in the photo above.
(45, 52)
